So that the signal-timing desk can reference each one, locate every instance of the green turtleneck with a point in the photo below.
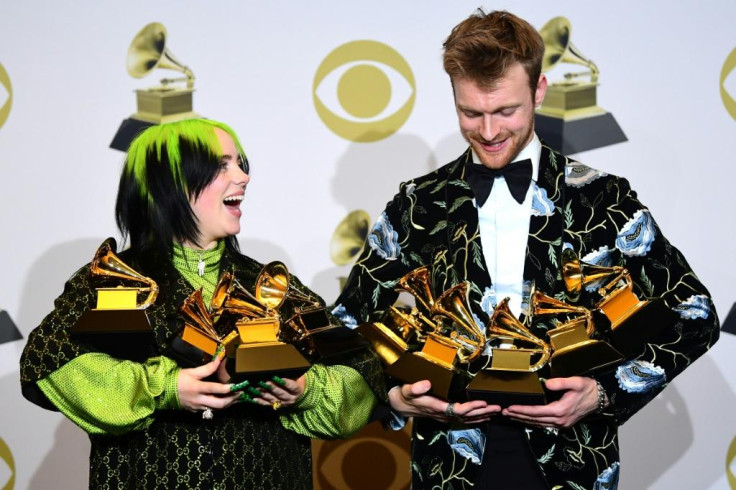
(201, 268)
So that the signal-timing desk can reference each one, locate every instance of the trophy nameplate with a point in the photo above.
(436, 363)
(385, 342)
(634, 322)
(262, 355)
(118, 325)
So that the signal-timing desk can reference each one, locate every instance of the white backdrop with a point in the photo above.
(255, 64)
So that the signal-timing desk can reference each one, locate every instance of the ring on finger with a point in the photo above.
(450, 410)
(276, 405)
(207, 414)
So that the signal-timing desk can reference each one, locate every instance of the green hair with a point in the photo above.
(198, 132)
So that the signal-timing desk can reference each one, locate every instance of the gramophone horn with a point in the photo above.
(196, 311)
(559, 49)
(273, 287)
(504, 325)
(417, 283)
(148, 51)
(107, 264)
(577, 274)
(453, 304)
(349, 236)
(231, 296)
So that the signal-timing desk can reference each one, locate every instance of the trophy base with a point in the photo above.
(256, 362)
(387, 344)
(505, 388)
(123, 334)
(575, 136)
(186, 354)
(128, 130)
(410, 368)
(580, 360)
(337, 342)
(642, 327)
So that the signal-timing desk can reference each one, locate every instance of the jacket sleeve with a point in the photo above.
(659, 271)
(104, 395)
(388, 254)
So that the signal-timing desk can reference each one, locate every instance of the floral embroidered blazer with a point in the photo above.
(433, 221)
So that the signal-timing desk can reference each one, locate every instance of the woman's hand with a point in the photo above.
(276, 393)
(196, 395)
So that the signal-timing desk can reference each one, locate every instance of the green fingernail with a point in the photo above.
(245, 398)
(239, 386)
(279, 381)
(254, 392)
(263, 385)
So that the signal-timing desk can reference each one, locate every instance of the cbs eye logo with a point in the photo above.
(364, 91)
(728, 72)
(6, 95)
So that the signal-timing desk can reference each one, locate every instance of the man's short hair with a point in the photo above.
(482, 47)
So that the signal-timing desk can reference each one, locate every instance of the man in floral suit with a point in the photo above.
(499, 218)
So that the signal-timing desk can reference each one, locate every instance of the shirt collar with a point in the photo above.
(532, 151)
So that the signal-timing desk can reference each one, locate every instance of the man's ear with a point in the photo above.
(541, 90)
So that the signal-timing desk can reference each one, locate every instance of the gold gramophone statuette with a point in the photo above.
(512, 378)
(450, 338)
(633, 321)
(574, 351)
(261, 352)
(118, 325)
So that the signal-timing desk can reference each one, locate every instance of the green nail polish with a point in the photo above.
(263, 385)
(279, 381)
(239, 386)
(254, 392)
(245, 398)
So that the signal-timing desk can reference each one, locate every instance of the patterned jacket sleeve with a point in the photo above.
(658, 270)
(388, 255)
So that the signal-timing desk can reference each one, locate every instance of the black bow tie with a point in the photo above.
(518, 176)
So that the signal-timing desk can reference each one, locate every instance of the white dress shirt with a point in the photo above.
(504, 231)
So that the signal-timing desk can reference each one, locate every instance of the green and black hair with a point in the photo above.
(167, 166)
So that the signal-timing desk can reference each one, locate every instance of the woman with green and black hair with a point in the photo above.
(154, 424)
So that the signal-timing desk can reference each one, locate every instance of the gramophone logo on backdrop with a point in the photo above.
(728, 83)
(7, 467)
(364, 91)
(6, 95)
(8, 331)
(570, 119)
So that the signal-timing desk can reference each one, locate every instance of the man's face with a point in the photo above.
(499, 122)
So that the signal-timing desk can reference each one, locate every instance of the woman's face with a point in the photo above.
(217, 208)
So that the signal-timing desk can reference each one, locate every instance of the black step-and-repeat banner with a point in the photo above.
(336, 103)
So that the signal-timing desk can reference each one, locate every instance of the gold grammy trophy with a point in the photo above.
(261, 352)
(512, 378)
(348, 239)
(448, 335)
(574, 350)
(118, 325)
(199, 335)
(633, 321)
(163, 103)
(569, 118)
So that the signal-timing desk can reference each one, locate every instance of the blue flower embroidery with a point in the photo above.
(541, 204)
(341, 314)
(601, 257)
(384, 240)
(578, 175)
(640, 376)
(468, 443)
(695, 307)
(636, 236)
(608, 480)
(488, 301)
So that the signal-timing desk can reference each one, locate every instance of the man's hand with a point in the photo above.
(412, 400)
(579, 399)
